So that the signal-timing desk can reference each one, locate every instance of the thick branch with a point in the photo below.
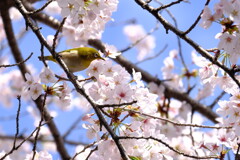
(18, 58)
(42, 17)
(12, 42)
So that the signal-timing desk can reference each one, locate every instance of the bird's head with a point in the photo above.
(93, 54)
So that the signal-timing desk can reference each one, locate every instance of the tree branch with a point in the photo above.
(16, 64)
(168, 146)
(12, 42)
(177, 123)
(22, 67)
(43, 17)
(181, 34)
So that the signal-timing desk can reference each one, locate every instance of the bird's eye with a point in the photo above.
(95, 55)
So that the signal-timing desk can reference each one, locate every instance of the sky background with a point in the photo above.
(185, 14)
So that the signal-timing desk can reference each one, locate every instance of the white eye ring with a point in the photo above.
(96, 55)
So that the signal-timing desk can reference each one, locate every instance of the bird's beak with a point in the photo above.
(101, 58)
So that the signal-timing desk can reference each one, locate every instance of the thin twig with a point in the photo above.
(176, 123)
(17, 121)
(40, 9)
(16, 64)
(42, 17)
(115, 105)
(42, 55)
(217, 99)
(61, 78)
(196, 21)
(140, 39)
(56, 34)
(40, 123)
(114, 24)
(154, 56)
(191, 132)
(91, 152)
(168, 146)
(83, 150)
(168, 5)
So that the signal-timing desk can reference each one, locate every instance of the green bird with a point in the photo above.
(76, 59)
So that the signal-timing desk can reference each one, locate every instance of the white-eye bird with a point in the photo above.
(76, 59)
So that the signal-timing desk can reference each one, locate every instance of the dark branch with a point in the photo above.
(12, 42)
(196, 21)
(116, 105)
(181, 34)
(17, 121)
(40, 9)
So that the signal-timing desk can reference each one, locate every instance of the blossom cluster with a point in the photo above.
(35, 89)
(226, 12)
(213, 77)
(115, 86)
(85, 19)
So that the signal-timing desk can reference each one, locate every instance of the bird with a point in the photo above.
(76, 59)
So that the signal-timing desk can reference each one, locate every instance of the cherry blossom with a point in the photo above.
(86, 19)
(30, 80)
(35, 91)
(207, 18)
(137, 78)
(111, 51)
(47, 76)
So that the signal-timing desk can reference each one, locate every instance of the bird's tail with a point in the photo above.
(47, 58)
